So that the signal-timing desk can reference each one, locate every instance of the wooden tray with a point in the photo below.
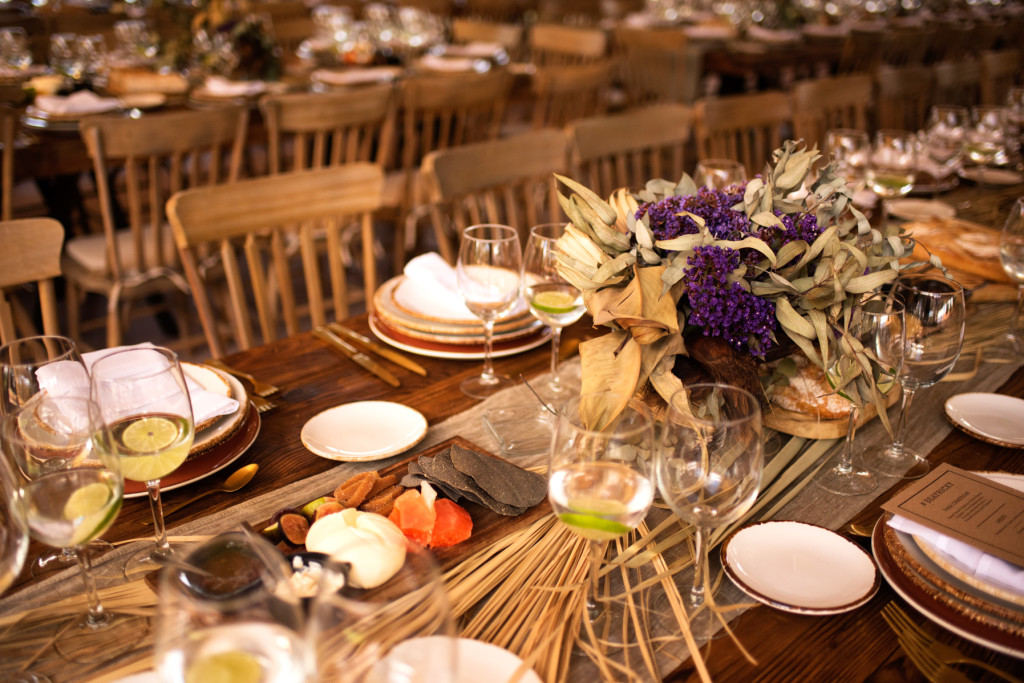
(810, 427)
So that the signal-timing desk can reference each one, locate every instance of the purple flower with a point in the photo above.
(714, 206)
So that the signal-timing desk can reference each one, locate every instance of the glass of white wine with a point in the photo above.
(892, 166)
(142, 394)
(986, 139)
(13, 527)
(72, 490)
(552, 299)
(1010, 346)
(599, 475)
(489, 272)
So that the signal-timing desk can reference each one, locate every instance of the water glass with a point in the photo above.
(849, 149)
(892, 166)
(986, 139)
(718, 174)
(1010, 346)
(13, 527)
(14, 50)
(945, 138)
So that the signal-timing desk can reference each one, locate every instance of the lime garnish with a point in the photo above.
(592, 523)
(225, 667)
(90, 505)
(150, 435)
(554, 302)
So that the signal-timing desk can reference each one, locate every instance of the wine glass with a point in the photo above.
(599, 478)
(552, 299)
(71, 484)
(142, 394)
(13, 527)
(945, 138)
(876, 326)
(489, 273)
(934, 321)
(238, 620)
(892, 166)
(28, 366)
(1015, 121)
(1010, 345)
(400, 630)
(850, 150)
(986, 139)
(709, 468)
(718, 174)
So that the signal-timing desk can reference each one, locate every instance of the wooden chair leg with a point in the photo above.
(74, 303)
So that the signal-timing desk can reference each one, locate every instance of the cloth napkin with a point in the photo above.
(477, 49)
(378, 74)
(435, 63)
(431, 287)
(223, 87)
(67, 379)
(81, 102)
(986, 567)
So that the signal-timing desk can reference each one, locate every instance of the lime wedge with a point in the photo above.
(593, 526)
(150, 435)
(225, 667)
(90, 506)
(554, 302)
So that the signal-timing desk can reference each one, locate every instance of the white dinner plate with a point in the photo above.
(995, 418)
(920, 209)
(217, 430)
(364, 430)
(991, 176)
(502, 345)
(476, 660)
(799, 568)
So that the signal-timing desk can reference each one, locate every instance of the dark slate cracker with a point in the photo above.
(413, 480)
(439, 469)
(505, 482)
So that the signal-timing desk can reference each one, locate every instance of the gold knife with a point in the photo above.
(382, 351)
(356, 355)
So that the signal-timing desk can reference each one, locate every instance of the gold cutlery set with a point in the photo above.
(355, 346)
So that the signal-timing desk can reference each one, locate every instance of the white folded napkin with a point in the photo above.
(378, 74)
(478, 49)
(223, 87)
(67, 379)
(770, 35)
(431, 287)
(982, 565)
(81, 102)
(435, 63)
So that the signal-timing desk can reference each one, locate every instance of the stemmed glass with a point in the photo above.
(934, 322)
(718, 174)
(986, 139)
(552, 299)
(876, 336)
(143, 396)
(44, 363)
(1010, 346)
(489, 273)
(1015, 122)
(709, 468)
(72, 489)
(13, 527)
(401, 630)
(892, 166)
(599, 480)
(944, 139)
(850, 150)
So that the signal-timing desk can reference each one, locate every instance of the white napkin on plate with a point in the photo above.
(984, 566)
(478, 49)
(223, 87)
(67, 379)
(431, 287)
(379, 74)
(452, 64)
(81, 102)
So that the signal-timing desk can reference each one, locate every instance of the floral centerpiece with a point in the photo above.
(726, 278)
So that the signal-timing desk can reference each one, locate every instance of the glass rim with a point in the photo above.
(537, 230)
(164, 351)
(729, 388)
(640, 410)
(513, 234)
(909, 279)
(37, 338)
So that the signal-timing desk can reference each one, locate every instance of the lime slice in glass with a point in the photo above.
(91, 506)
(554, 302)
(225, 667)
(149, 435)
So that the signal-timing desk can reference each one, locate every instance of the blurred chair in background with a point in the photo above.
(746, 128)
(31, 255)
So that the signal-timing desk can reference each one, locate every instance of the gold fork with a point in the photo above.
(259, 388)
(913, 637)
(262, 404)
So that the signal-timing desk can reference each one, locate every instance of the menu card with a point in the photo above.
(968, 508)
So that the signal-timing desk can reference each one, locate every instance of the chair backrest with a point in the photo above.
(327, 129)
(563, 94)
(627, 150)
(509, 36)
(902, 97)
(160, 154)
(268, 223)
(957, 82)
(998, 74)
(31, 253)
(862, 51)
(951, 39)
(840, 102)
(556, 44)
(906, 44)
(659, 65)
(507, 181)
(747, 128)
(10, 119)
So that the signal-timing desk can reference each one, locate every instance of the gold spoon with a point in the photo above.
(234, 482)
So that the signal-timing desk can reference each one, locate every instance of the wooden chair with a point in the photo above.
(840, 102)
(957, 82)
(10, 118)
(506, 181)
(31, 254)
(747, 128)
(659, 65)
(251, 224)
(626, 150)
(503, 11)
(998, 74)
(951, 39)
(439, 112)
(154, 156)
(556, 44)
(509, 36)
(902, 97)
(906, 45)
(563, 94)
(862, 51)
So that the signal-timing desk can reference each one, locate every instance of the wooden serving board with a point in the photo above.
(810, 427)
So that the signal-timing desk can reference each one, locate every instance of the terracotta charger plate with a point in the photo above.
(437, 349)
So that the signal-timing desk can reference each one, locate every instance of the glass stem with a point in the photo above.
(96, 616)
(845, 465)
(1015, 323)
(488, 371)
(700, 564)
(593, 582)
(163, 546)
(556, 342)
(901, 425)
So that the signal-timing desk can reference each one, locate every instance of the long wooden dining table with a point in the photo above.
(854, 646)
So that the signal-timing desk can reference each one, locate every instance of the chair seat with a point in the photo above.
(87, 254)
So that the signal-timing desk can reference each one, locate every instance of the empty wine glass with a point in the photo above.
(400, 630)
(850, 150)
(599, 474)
(709, 468)
(489, 273)
(71, 484)
(718, 174)
(1010, 346)
(552, 299)
(142, 394)
(892, 166)
(876, 326)
(934, 316)
(14, 49)
(13, 527)
(945, 139)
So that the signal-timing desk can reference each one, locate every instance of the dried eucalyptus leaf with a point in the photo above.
(599, 205)
(790, 319)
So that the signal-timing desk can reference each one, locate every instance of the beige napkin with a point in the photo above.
(80, 103)
(223, 87)
(435, 63)
(378, 74)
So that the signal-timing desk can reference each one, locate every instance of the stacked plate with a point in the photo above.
(407, 320)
